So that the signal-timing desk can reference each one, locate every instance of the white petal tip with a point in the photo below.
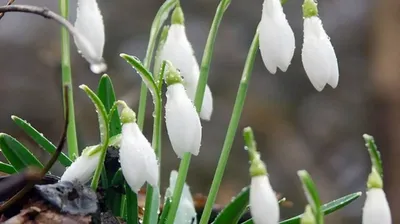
(98, 68)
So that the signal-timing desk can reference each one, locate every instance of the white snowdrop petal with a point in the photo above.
(264, 206)
(186, 211)
(137, 158)
(277, 41)
(182, 121)
(179, 51)
(89, 23)
(376, 208)
(318, 55)
(82, 168)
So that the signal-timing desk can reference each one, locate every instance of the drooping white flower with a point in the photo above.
(276, 37)
(186, 213)
(83, 167)
(136, 156)
(318, 56)
(90, 42)
(376, 208)
(182, 121)
(179, 51)
(264, 206)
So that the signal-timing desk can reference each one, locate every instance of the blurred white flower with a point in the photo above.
(83, 167)
(186, 213)
(376, 208)
(264, 206)
(318, 55)
(137, 158)
(179, 51)
(276, 37)
(182, 121)
(90, 43)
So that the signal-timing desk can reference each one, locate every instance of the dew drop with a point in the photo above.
(98, 67)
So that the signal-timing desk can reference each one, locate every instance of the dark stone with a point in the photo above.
(69, 197)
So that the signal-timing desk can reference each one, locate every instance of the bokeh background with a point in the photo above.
(296, 126)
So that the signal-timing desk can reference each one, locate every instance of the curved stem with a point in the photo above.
(230, 135)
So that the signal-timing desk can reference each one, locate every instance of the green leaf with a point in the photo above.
(17, 154)
(101, 111)
(7, 168)
(131, 206)
(40, 140)
(105, 92)
(234, 210)
(146, 76)
(374, 153)
(311, 193)
(165, 211)
(118, 178)
(327, 208)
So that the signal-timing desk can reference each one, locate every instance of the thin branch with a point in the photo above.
(10, 2)
(49, 164)
(44, 12)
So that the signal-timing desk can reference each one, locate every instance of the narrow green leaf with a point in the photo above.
(165, 210)
(373, 153)
(105, 92)
(101, 111)
(234, 210)
(40, 140)
(131, 206)
(146, 76)
(17, 154)
(327, 208)
(7, 168)
(311, 193)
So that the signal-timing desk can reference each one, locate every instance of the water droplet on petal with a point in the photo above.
(98, 68)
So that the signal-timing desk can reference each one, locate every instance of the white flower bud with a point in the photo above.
(83, 167)
(89, 23)
(182, 121)
(137, 158)
(186, 213)
(376, 208)
(276, 37)
(318, 55)
(264, 206)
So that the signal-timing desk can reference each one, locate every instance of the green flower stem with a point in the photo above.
(233, 124)
(152, 195)
(67, 81)
(208, 52)
(205, 68)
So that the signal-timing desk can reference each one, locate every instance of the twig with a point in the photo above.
(49, 164)
(44, 12)
(10, 2)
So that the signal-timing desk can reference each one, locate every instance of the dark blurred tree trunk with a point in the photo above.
(386, 94)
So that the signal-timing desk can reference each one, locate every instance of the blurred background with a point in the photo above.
(296, 127)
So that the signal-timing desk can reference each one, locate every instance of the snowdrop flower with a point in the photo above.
(182, 121)
(276, 37)
(376, 208)
(318, 55)
(83, 167)
(179, 51)
(186, 213)
(136, 156)
(90, 42)
(264, 206)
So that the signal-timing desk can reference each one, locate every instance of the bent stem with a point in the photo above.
(67, 81)
(233, 124)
